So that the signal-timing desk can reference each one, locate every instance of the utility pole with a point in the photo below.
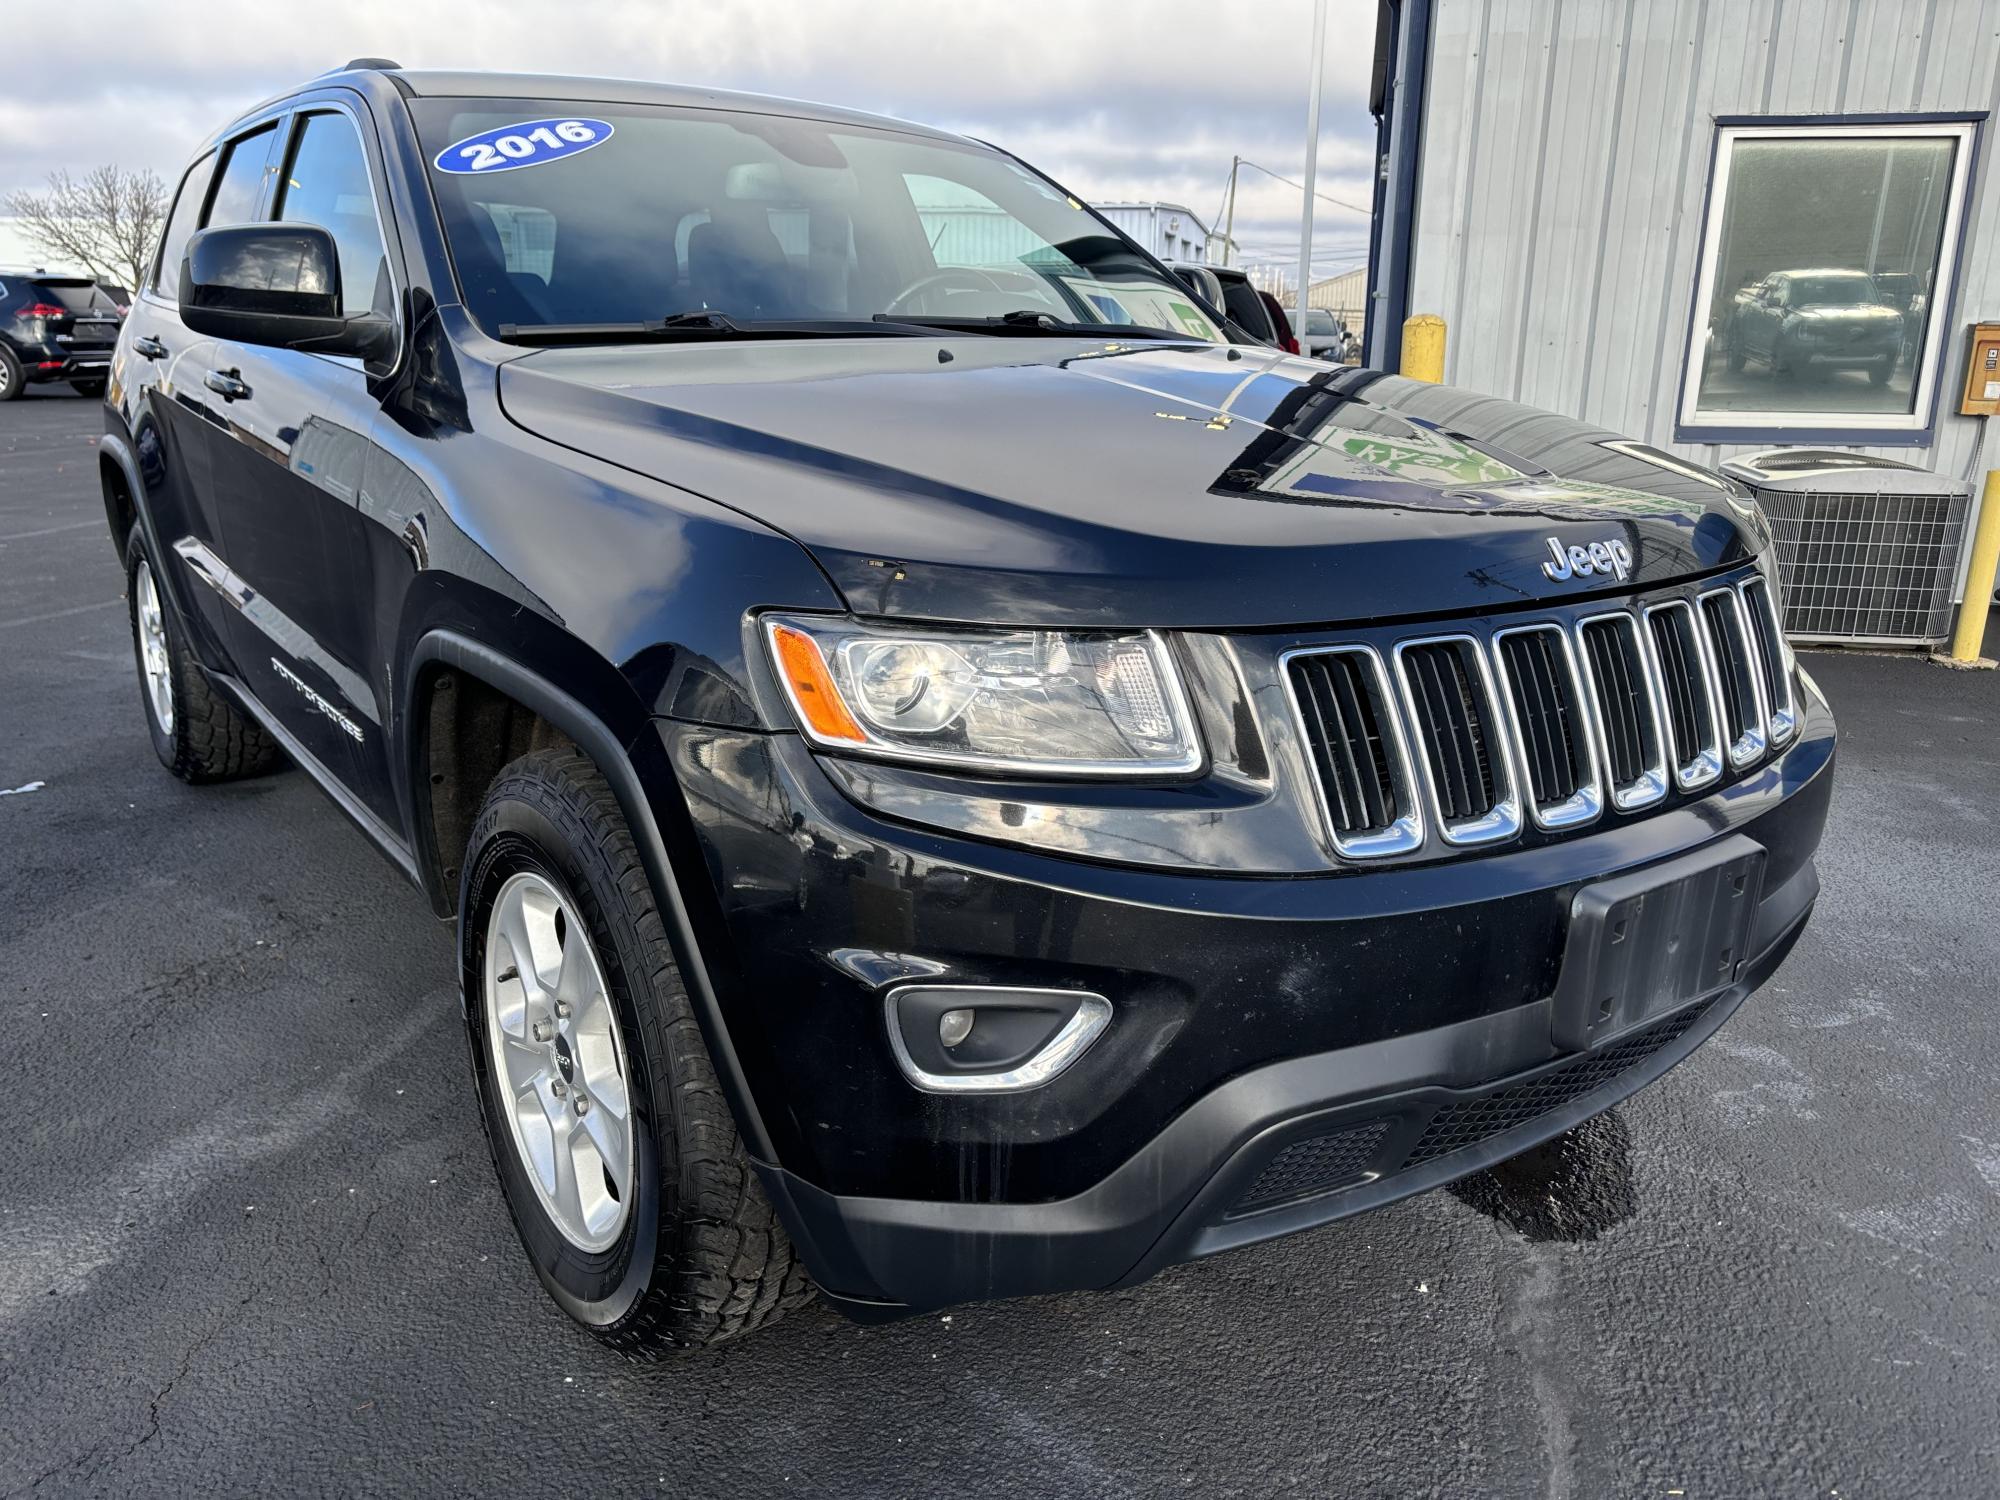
(1229, 219)
(1316, 77)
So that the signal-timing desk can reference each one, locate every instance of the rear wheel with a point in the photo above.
(628, 1186)
(198, 734)
(11, 379)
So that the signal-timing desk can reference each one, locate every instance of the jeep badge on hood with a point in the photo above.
(1581, 561)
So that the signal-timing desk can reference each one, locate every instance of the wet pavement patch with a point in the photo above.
(1570, 1189)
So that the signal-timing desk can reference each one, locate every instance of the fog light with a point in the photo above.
(989, 1039)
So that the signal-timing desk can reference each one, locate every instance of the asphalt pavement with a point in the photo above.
(250, 1241)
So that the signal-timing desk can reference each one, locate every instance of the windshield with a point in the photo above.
(1833, 291)
(1319, 320)
(627, 214)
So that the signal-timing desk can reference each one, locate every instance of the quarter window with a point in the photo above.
(180, 224)
(326, 183)
(240, 186)
(1824, 277)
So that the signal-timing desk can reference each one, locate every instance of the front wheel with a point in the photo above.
(619, 1158)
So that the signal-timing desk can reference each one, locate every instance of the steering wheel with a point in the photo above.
(963, 278)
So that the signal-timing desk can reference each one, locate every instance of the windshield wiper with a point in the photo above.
(698, 325)
(1033, 320)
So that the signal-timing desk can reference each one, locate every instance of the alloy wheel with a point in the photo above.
(558, 1060)
(155, 665)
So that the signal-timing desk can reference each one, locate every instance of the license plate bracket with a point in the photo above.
(1645, 944)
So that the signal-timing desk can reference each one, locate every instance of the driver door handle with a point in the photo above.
(149, 347)
(226, 385)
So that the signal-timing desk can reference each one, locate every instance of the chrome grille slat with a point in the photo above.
(1767, 636)
(1449, 695)
(1631, 714)
(1740, 693)
(1539, 680)
(1360, 758)
(1680, 658)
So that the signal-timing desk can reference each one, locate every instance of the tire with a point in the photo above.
(12, 380)
(1878, 373)
(87, 387)
(1734, 353)
(198, 734)
(690, 1253)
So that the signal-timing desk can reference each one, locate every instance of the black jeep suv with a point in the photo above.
(952, 779)
(55, 328)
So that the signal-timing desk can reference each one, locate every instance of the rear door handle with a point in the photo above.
(150, 348)
(226, 385)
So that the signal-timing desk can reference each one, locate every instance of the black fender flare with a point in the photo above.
(113, 446)
(460, 653)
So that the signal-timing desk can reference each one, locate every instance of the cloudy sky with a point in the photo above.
(1118, 99)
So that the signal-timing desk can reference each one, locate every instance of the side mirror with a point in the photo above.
(1203, 282)
(276, 285)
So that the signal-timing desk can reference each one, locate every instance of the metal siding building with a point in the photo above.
(1566, 148)
(1345, 296)
(1168, 230)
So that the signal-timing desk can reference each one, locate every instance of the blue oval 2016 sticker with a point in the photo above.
(528, 144)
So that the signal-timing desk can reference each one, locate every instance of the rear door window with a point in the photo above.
(240, 187)
(180, 224)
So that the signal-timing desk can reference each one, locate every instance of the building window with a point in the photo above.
(1826, 271)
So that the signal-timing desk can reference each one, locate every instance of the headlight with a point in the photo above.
(1044, 702)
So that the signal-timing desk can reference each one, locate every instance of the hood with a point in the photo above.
(1070, 483)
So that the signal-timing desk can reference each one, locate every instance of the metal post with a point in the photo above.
(1315, 82)
(1423, 348)
(1979, 575)
(1229, 219)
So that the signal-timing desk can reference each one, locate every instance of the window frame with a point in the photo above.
(219, 147)
(1918, 426)
(284, 119)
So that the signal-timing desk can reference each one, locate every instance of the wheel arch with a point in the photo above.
(118, 479)
(444, 651)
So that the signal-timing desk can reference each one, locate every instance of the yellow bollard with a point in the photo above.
(1979, 575)
(1423, 348)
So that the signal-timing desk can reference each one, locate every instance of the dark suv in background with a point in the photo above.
(1793, 322)
(55, 328)
(951, 777)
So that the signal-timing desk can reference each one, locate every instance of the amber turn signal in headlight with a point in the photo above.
(1025, 702)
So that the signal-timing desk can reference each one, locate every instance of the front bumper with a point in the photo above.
(1344, 1132)
(1354, 1012)
(1844, 356)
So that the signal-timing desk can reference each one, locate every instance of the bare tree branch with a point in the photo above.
(106, 221)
